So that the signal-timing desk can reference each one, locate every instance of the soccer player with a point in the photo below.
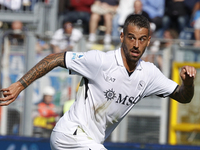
(112, 83)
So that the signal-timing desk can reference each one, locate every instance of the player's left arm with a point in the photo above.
(184, 93)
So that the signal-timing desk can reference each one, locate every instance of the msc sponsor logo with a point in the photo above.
(121, 99)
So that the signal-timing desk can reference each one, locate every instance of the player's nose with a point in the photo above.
(136, 44)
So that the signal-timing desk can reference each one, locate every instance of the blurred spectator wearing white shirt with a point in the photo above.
(64, 39)
(124, 9)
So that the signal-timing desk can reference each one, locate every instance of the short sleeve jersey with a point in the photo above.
(107, 92)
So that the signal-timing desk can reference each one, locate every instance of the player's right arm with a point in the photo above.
(40, 69)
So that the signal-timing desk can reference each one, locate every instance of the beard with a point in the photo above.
(127, 55)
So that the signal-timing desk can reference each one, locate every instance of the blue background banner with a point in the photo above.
(27, 143)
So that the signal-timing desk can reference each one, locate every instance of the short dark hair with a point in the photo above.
(67, 20)
(137, 20)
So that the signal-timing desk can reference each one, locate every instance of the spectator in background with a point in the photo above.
(124, 9)
(105, 8)
(32, 3)
(138, 9)
(169, 35)
(157, 45)
(17, 26)
(192, 6)
(41, 46)
(78, 12)
(175, 16)
(17, 37)
(155, 9)
(47, 116)
(14, 5)
(46, 108)
(195, 21)
(65, 38)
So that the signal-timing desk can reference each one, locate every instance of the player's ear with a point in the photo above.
(122, 37)
(149, 39)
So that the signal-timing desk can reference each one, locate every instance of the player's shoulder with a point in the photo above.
(148, 70)
(100, 53)
(95, 57)
(100, 57)
(88, 54)
(148, 65)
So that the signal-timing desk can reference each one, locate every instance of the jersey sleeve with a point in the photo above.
(160, 85)
(86, 64)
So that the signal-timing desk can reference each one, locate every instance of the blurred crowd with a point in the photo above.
(105, 18)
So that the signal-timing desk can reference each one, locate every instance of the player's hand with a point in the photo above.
(188, 74)
(10, 93)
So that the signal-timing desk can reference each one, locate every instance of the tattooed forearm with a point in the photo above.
(43, 67)
(183, 94)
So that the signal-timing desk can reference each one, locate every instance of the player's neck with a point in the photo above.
(129, 73)
(130, 67)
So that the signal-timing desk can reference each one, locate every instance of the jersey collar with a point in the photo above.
(119, 60)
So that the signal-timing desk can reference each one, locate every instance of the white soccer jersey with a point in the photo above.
(107, 92)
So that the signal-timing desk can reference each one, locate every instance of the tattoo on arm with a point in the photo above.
(43, 67)
(183, 94)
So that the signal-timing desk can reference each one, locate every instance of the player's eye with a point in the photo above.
(131, 38)
(142, 39)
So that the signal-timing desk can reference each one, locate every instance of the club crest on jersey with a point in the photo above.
(110, 94)
(76, 55)
(141, 85)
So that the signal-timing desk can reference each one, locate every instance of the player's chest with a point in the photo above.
(120, 88)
